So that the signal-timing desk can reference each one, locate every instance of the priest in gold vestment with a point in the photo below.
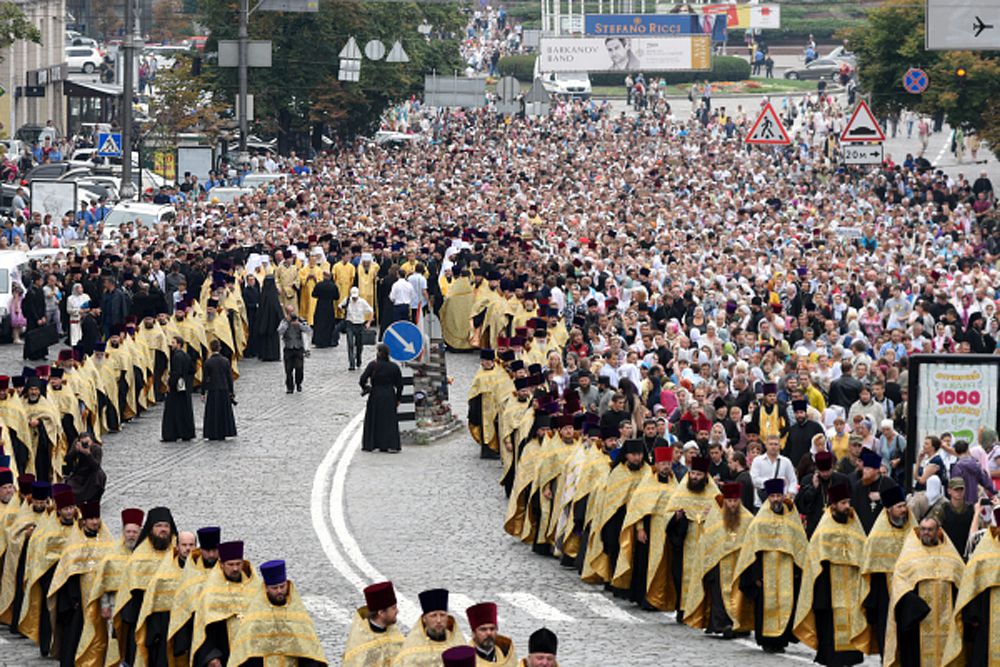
(374, 639)
(434, 633)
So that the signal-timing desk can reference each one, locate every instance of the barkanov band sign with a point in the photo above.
(626, 54)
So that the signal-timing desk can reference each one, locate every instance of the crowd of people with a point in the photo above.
(695, 291)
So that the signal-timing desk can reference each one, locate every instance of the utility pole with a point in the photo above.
(127, 190)
(244, 57)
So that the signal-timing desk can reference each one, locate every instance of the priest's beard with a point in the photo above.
(159, 543)
(66, 522)
(664, 477)
(236, 577)
(182, 560)
(697, 485)
(778, 507)
(436, 635)
(209, 563)
(731, 518)
(487, 645)
(843, 517)
(929, 540)
(897, 522)
(33, 399)
(277, 599)
(634, 466)
(89, 533)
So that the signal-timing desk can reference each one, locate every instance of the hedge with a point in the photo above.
(724, 68)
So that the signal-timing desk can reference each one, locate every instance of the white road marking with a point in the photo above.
(409, 612)
(316, 504)
(325, 609)
(535, 607)
(946, 146)
(605, 608)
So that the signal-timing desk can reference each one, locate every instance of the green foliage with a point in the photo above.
(724, 68)
(15, 26)
(893, 42)
(301, 87)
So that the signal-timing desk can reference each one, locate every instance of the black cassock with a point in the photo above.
(217, 387)
(69, 617)
(251, 299)
(611, 541)
(157, 624)
(33, 308)
(677, 529)
(43, 454)
(269, 315)
(826, 653)
(381, 420)
(640, 567)
(910, 611)
(326, 294)
(749, 588)
(976, 620)
(18, 602)
(178, 416)
(876, 607)
(215, 646)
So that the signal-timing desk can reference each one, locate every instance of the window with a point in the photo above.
(78, 53)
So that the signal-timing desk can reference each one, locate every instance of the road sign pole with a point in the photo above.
(127, 190)
(243, 37)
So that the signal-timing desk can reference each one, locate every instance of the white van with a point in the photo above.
(148, 215)
(572, 84)
(12, 264)
(256, 179)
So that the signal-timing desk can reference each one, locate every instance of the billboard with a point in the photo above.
(631, 25)
(625, 54)
(758, 17)
(954, 394)
(55, 198)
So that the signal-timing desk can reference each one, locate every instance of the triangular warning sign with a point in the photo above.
(110, 146)
(862, 126)
(768, 130)
(351, 50)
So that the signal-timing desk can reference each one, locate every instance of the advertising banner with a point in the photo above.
(639, 25)
(956, 399)
(625, 54)
(762, 17)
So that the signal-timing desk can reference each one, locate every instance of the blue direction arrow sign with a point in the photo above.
(405, 341)
(109, 144)
(915, 81)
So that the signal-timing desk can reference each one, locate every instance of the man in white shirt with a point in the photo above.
(770, 466)
(420, 297)
(402, 296)
(357, 313)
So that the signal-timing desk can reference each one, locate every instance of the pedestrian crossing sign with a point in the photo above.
(109, 144)
(767, 130)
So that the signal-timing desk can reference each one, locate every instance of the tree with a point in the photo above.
(15, 26)
(893, 42)
(185, 104)
(300, 92)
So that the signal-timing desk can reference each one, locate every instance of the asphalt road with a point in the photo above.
(294, 485)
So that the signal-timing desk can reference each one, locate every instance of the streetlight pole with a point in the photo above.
(243, 59)
(127, 190)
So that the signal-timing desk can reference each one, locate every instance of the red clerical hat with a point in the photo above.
(664, 454)
(90, 510)
(65, 499)
(380, 596)
(732, 490)
(133, 516)
(484, 613)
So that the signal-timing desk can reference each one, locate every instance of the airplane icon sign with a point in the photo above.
(979, 26)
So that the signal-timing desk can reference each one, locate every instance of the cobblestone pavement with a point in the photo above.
(292, 486)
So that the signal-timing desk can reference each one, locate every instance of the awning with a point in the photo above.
(88, 89)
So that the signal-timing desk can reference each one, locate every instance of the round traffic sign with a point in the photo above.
(405, 340)
(915, 81)
(375, 50)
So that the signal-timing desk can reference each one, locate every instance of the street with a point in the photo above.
(294, 485)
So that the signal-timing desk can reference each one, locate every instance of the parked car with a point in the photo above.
(50, 171)
(821, 68)
(572, 84)
(84, 59)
